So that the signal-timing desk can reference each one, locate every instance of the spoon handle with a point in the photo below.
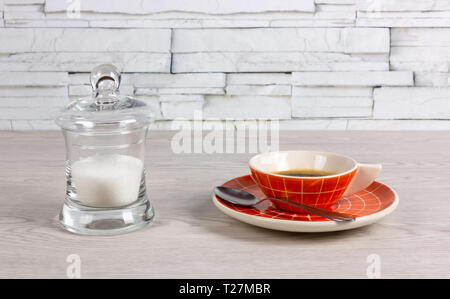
(317, 211)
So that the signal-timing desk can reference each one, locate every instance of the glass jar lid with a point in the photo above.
(105, 111)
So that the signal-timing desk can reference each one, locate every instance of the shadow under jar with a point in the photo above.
(105, 138)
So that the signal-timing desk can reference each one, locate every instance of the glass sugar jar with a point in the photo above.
(105, 137)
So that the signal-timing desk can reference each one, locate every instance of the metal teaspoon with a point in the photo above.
(243, 198)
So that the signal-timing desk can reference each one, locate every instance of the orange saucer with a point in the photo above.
(368, 206)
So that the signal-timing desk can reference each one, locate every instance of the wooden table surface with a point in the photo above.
(191, 238)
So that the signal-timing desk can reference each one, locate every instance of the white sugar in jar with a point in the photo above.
(107, 180)
(105, 136)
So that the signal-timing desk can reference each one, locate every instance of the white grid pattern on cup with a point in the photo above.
(349, 176)
(335, 188)
(293, 192)
(318, 196)
(271, 189)
(285, 189)
(301, 196)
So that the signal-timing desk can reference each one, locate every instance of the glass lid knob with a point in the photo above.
(105, 82)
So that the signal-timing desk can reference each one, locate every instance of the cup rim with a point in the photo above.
(252, 166)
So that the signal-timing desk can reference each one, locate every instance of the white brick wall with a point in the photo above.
(203, 6)
(312, 64)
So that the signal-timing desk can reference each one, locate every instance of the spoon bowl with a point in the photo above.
(236, 196)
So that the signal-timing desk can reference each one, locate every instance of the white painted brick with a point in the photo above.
(44, 23)
(313, 23)
(404, 19)
(183, 15)
(26, 113)
(181, 91)
(202, 6)
(398, 125)
(84, 40)
(411, 103)
(84, 62)
(181, 23)
(181, 98)
(431, 79)
(332, 91)
(403, 22)
(367, 40)
(86, 90)
(257, 40)
(33, 91)
(231, 23)
(81, 78)
(178, 80)
(424, 51)
(145, 91)
(195, 90)
(325, 16)
(421, 37)
(178, 16)
(23, 15)
(258, 79)
(335, 64)
(262, 90)
(33, 79)
(420, 54)
(23, 12)
(273, 62)
(349, 40)
(352, 78)
(242, 107)
(34, 102)
(17, 2)
(5, 125)
(35, 125)
(146, 23)
(23, 7)
(331, 106)
(335, 1)
(406, 15)
(330, 6)
(404, 5)
(418, 66)
(80, 90)
(180, 109)
(412, 15)
(207, 124)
